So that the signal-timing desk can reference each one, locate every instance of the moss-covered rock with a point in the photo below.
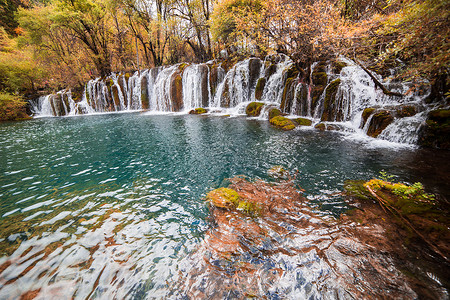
(254, 109)
(260, 88)
(436, 132)
(320, 126)
(367, 112)
(274, 112)
(229, 199)
(198, 111)
(380, 120)
(282, 123)
(303, 121)
(330, 111)
(224, 198)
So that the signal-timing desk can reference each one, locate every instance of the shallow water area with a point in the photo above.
(111, 205)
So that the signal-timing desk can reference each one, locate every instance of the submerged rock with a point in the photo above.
(278, 172)
(254, 109)
(223, 198)
(282, 123)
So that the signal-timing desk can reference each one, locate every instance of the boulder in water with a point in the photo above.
(223, 198)
(278, 172)
(303, 121)
(198, 111)
(254, 109)
(282, 123)
(320, 126)
(366, 114)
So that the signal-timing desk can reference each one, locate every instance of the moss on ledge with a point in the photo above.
(198, 111)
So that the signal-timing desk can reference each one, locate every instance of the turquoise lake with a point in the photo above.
(112, 205)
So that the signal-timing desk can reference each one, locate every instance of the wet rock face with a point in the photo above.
(436, 132)
(330, 110)
(260, 88)
(380, 120)
(225, 99)
(254, 109)
(254, 66)
(204, 70)
(144, 93)
(319, 81)
(365, 115)
(176, 91)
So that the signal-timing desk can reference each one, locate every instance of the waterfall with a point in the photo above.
(328, 94)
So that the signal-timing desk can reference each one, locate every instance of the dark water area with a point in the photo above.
(112, 205)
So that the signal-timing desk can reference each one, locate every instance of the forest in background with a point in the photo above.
(49, 45)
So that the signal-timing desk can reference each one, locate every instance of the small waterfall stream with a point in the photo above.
(344, 96)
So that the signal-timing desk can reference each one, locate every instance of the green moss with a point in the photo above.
(260, 88)
(356, 188)
(182, 66)
(254, 109)
(282, 123)
(274, 112)
(408, 199)
(330, 98)
(229, 199)
(303, 122)
(366, 114)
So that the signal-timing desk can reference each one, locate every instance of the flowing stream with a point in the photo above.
(111, 207)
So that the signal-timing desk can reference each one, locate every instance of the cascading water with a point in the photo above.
(344, 96)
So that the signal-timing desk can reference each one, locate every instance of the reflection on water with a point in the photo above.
(111, 206)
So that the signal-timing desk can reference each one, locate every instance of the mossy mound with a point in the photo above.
(198, 111)
(337, 66)
(303, 122)
(274, 112)
(436, 132)
(254, 109)
(282, 123)
(229, 199)
(224, 198)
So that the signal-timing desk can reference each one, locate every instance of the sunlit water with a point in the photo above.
(112, 205)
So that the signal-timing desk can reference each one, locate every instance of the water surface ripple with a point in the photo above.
(111, 206)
